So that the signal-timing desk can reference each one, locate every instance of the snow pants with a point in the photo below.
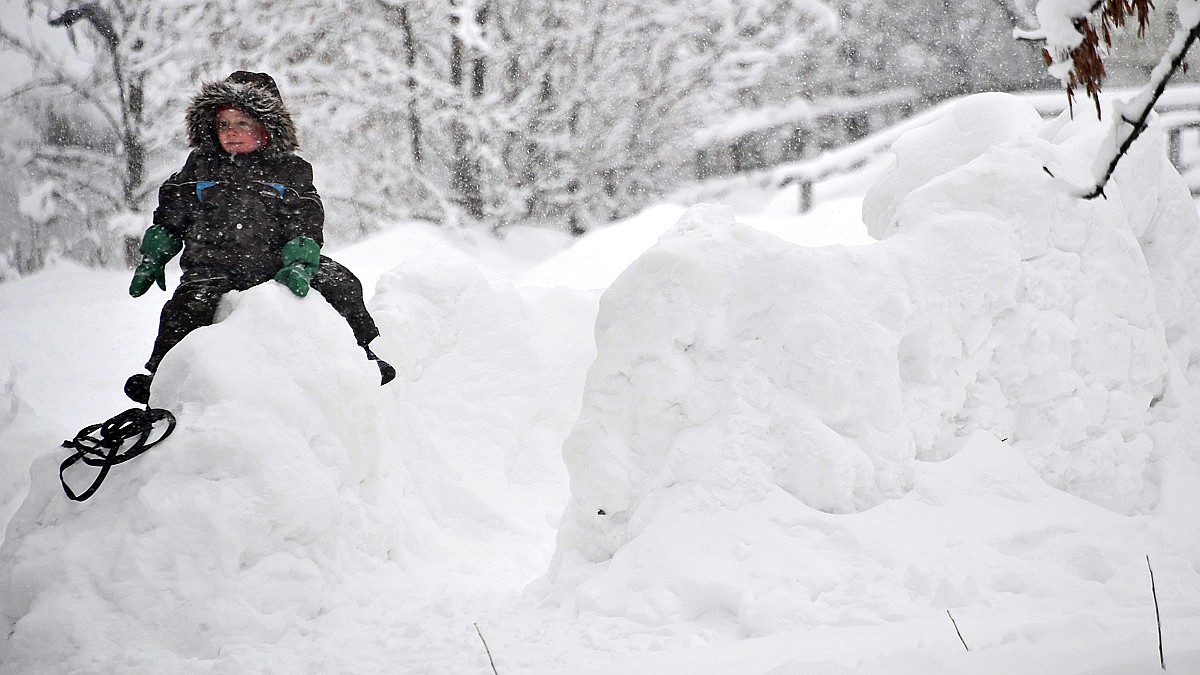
(194, 304)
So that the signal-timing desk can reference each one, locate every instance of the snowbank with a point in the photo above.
(497, 373)
(20, 430)
(299, 509)
(267, 515)
(747, 390)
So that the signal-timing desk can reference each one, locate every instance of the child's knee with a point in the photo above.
(199, 298)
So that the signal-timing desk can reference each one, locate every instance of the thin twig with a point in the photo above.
(485, 648)
(956, 630)
(1157, 617)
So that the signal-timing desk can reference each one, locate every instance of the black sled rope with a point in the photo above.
(104, 450)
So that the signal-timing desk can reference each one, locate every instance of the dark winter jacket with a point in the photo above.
(234, 213)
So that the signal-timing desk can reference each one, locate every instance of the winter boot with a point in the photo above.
(137, 387)
(386, 372)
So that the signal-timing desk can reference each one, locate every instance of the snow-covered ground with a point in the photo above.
(709, 439)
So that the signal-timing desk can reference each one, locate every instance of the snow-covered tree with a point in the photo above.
(938, 48)
(568, 112)
(94, 113)
(565, 112)
(618, 88)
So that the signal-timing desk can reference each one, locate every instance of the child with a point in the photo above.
(243, 210)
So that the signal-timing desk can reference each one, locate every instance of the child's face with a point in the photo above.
(238, 132)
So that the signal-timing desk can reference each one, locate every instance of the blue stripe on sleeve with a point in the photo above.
(201, 186)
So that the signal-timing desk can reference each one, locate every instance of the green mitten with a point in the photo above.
(158, 247)
(296, 278)
(301, 260)
(145, 276)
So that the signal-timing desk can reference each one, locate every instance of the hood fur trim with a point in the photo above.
(256, 101)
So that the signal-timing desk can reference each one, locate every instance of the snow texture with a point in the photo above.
(775, 458)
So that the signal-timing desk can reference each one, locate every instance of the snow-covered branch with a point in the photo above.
(1133, 115)
(1078, 34)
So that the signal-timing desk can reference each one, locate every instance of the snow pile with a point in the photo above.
(1104, 295)
(268, 516)
(20, 429)
(746, 389)
(964, 132)
(299, 508)
(497, 373)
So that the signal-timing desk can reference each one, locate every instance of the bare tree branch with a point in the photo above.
(1129, 127)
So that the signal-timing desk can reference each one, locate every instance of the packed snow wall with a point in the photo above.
(745, 387)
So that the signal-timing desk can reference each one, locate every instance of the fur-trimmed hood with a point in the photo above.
(253, 93)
